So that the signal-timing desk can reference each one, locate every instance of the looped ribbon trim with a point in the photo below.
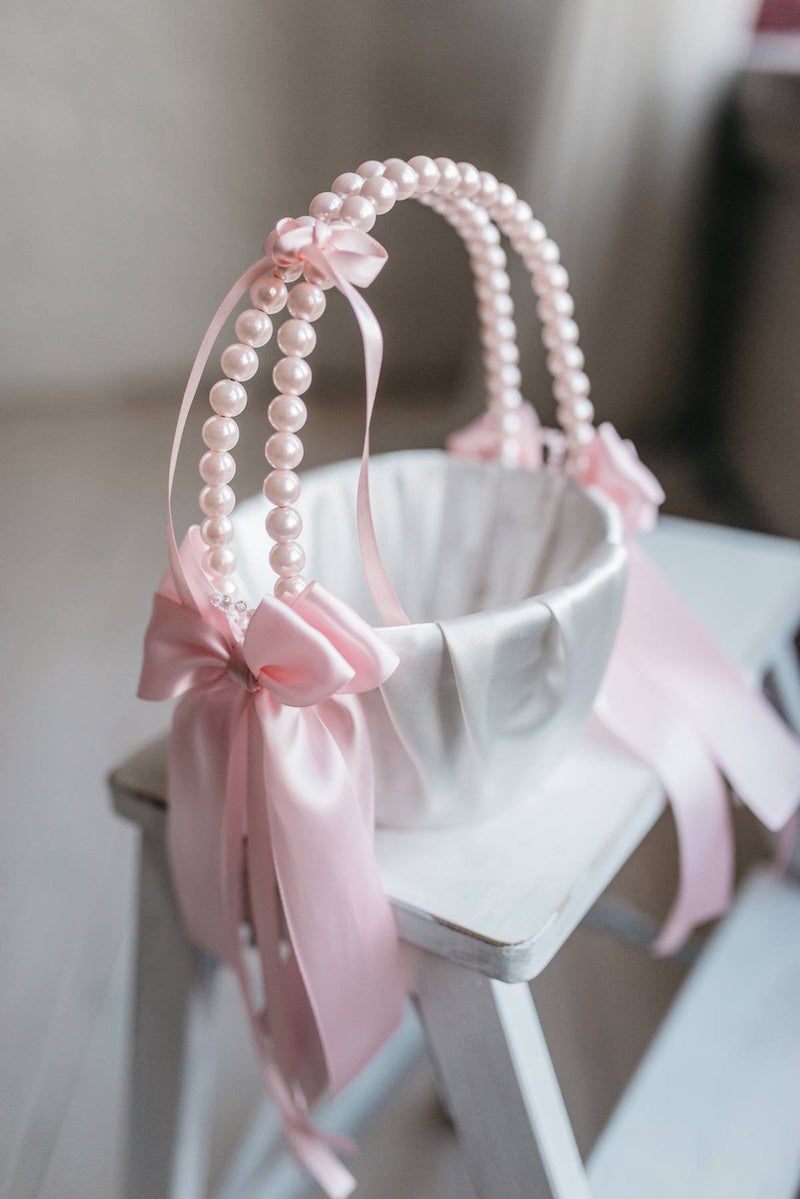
(270, 753)
(673, 698)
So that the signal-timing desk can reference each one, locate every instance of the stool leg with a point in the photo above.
(172, 1060)
(786, 679)
(785, 675)
(500, 1087)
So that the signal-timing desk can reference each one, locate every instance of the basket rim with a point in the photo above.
(610, 549)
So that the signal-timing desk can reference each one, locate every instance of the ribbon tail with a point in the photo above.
(639, 717)
(754, 748)
(340, 922)
(388, 605)
(312, 1148)
(288, 1013)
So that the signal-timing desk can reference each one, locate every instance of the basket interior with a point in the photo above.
(456, 537)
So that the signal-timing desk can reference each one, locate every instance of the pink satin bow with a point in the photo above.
(270, 760)
(673, 699)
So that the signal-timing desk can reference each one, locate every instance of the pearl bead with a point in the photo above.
(553, 276)
(325, 206)
(580, 410)
(358, 211)
(427, 173)
(296, 338)
(226, 585)
(284, 451)
(220, 433)
(572, 384)
(217, 501)
(470, 179)
(219, 560)
(488, 189)
(228, 398)
(289, 588)
(494, 256)
(488, 236)
(287, 558)
(253, 327)
(288, 273)
(507, 375)
(492, 336)
(565, 358)
(558, 303)
(499, 280)
(371, 169)
(529, 237)
(307, 302)
(580, 435)
(269, 293)
(510, 422)
(216, 468)
(284, 524)
(547, 252)
(287, 414)
(282, 487)
(402, 176)
(497, 304)
(508, 398)
(578, 383)
(217, 530)
(239, 362)
(505, 328)
(316, 277)
(501, 354)
(449, 177)
(556, 332)
(520, 215)
(348, 184)
(505, 199)
(381, 193)
(292, 376)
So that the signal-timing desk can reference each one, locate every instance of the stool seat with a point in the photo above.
(501, 896)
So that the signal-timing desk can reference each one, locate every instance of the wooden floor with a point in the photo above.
(82, 551)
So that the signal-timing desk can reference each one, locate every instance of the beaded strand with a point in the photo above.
(480, 209)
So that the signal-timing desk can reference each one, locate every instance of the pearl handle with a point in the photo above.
(480, 209)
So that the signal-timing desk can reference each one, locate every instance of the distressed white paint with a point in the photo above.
(712, 1112)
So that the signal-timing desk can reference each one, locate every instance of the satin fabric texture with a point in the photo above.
(270, 821)
(513, 582)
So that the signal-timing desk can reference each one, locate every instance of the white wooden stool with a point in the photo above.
(709, 1112)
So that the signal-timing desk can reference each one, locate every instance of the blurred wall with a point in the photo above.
(149, 148)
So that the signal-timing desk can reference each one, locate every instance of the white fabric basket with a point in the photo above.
(513, 580)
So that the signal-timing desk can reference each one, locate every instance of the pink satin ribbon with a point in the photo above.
(269, 753)
(676, 702)
(278, 723)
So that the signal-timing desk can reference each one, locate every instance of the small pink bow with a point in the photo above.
(271, 793)
(479, 441)
(335, 249)
(614, 467)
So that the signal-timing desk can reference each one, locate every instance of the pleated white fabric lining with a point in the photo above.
(514, 580)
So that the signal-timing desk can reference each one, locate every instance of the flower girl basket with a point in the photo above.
(308, 708)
